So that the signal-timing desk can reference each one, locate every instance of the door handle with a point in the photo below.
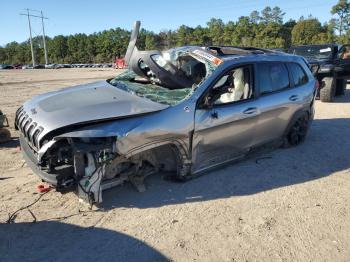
(250, 110)
(214, 115)
(293, 98)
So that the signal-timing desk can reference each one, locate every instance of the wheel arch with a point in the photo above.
(295, 117)
(165, 148)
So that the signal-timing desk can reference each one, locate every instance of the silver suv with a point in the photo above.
(184, 111)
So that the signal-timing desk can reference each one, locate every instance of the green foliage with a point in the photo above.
(272, 15)
(263, 28)
(342, 10)
(306, 31)
(184, 35)
(216, 29)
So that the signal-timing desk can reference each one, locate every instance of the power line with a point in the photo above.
(28, 14)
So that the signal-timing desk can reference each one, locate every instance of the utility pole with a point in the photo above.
(30, 33)
(44, 39)
(30, 37)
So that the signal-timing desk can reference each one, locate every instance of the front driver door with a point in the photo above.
(224, 130)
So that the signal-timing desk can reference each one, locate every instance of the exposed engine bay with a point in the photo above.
(93, 165)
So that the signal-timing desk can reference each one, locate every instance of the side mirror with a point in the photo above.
(207, 103)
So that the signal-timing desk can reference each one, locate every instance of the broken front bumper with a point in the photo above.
(31, 160)
(88, 188)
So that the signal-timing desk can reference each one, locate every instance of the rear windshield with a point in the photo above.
(313, 52)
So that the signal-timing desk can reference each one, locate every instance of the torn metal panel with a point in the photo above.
(176, 68)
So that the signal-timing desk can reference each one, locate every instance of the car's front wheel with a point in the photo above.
(298, 131)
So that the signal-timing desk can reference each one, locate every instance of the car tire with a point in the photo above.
(297, 132)
(5, 135)
(327, 92)
(341, 86)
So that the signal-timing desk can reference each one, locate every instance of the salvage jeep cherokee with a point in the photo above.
(184, 110)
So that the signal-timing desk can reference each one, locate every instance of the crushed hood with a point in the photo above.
(92, 102)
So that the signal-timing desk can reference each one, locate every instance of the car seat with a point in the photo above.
(239, 84)
(247, 90)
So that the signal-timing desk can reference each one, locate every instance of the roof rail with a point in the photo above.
(254, 49)
(237, 50)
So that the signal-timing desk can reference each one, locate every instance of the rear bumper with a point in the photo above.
(32, 162)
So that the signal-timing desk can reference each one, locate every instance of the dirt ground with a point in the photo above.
(292, 205)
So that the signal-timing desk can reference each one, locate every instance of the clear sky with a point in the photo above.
(78, 16)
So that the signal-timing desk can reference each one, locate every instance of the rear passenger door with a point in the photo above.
(278, 98)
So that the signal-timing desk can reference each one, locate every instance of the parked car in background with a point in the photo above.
(119, 63)
(27, 66)
(5, 66)
(39, 66)
(332, 67)
(50, 66)
(17, 66)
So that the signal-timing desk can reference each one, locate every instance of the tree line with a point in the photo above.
(265, 29)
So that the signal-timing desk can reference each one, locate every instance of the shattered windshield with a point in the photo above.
(156, 93)
(314, 52)
(167, 77)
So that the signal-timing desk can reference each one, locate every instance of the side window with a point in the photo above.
(298, 74)
(272, 77)
(234, 86)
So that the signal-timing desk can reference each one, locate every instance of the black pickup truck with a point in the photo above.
(331, 66)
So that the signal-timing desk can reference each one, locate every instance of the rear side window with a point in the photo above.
(272, 77)
(298, 74)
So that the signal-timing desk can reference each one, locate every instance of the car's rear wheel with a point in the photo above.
(298, 131)
(327, 92)
(341, 86)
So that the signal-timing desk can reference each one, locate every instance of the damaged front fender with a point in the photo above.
(100, 156)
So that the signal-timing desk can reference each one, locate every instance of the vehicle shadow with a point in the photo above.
(343, 98)
(56, 241)
(325, 151)
(12, 143)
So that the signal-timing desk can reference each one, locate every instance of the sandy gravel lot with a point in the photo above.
(292, 206)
